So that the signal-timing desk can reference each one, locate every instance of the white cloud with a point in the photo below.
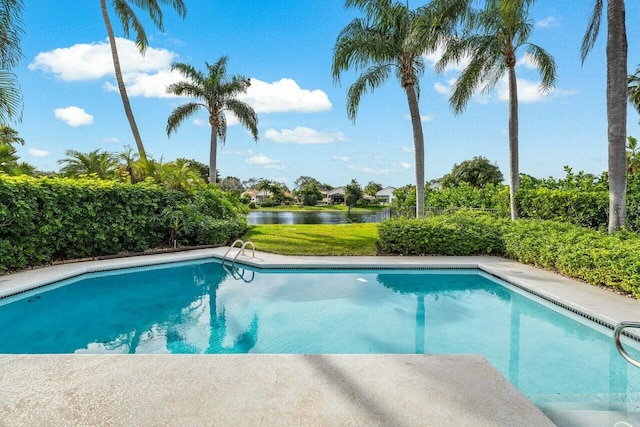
(381, 169)
(110, 140)
(253, 158)
(548, 22)
(406, 149)
(147, 85)
(266, 162)
(93, 61)
(528, 90)
(303, 135)
(527, 61)
(435, 56)
(73, 116)
(284, 96)
(423, 118)
(199, 122)
(342, 158)
(37, 153)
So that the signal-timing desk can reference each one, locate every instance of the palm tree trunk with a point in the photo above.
(418, 144)
(213, 151)
(121, 87)
(617, 112)
(514, 168)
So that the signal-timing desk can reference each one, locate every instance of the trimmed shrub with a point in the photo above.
(579, 207)
(589, 255)
(461, 233)
(46, 219)
(581, 253)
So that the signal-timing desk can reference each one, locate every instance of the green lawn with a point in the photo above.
(315, 239)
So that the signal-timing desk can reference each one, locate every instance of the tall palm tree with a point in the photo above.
(217, 94)
(378, 44)
(617, 92)
(129, 20)
(11, 30)
(497, 32)
(100, 163)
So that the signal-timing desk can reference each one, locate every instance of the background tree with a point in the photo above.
(309, 194)
(130, 167)
(233, 184)
(617, 93)
(378, 45)
(372, 188)
(100, 163)
(477, 172)
(304, 180)
(11, 31)
(217, 94)
(352, 193)
(497, 32)
(202, 169)
(129, 20)
(633, 88)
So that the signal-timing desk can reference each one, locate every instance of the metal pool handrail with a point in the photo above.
(616, 338)
(241, 250)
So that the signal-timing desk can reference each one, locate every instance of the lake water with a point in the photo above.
(260, 217)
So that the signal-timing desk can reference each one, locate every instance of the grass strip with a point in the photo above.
(315, 239)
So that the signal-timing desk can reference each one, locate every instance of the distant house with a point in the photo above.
(385, 196)
(257, 196)
(336, 196)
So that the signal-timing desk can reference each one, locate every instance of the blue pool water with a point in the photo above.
(554, 357)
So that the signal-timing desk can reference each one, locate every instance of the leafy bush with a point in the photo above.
(462, 233)
(579, 207)
(60, 218)
(581, 253)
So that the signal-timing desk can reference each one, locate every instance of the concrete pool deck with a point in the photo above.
(282, 389)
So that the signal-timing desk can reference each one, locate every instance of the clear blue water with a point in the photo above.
(552, 356)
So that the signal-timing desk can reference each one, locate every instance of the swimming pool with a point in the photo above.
(559, 360)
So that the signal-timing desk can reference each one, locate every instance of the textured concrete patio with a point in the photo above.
(283, 389)
(253, 390)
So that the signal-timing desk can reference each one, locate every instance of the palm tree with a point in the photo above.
(498, 31)
(100, 163)
(617, 92)
(633, 155)
(130, 167)
(633, 88)
(217, 94)
(11, 30)
(10, 136)
(129, 20)
(377, 45)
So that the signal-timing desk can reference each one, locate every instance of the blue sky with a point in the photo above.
(286, 48)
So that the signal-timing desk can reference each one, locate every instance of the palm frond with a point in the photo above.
(245, 114)
(180, 114)
(368, 81)
(593, 29)
(546, 66)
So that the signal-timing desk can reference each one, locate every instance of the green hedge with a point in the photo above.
(581, 253)
(46, 219)
(585, 254)
(456, 234)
